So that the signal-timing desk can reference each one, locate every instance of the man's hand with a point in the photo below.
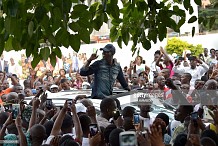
(9, 120)
(93, 57)
(95, 140)
(73, 108)
(18, 121)
(156, 135)
(43, 97)
(91, 111)
(36, 103)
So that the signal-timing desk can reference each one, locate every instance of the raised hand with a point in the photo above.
(156, 135)
(93, 56)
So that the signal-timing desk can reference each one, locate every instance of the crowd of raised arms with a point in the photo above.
(188, 83)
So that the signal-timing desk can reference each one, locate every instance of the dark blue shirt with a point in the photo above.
(105, 76)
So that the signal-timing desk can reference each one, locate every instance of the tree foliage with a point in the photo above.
(175, 45)
(41, 27)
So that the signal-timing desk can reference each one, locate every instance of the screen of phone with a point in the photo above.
(136, 119)
(128, 140)
(49, 104)
(15, 110)
(93, 128)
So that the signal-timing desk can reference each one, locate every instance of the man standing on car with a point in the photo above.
(105, 71)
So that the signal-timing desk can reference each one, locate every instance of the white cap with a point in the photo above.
(188, 52)
(54, 86)
(174, 55)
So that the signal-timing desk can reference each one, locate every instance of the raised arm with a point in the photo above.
(7, 122)
(77, 125)
(158, 60)
(165, 54)
(33, 118)
(22, 137)
(88, 69)
(58, 122)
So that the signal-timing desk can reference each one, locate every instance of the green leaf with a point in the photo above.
(116, 22)
(75, 42)
(211, 23)
(192, 19)
(39, 13)
(61, 36)
(200, 20)
(51, 39)
(193, 31)
(80, 7)
(84, 35)
(74, 26)
(125, 36)
(53, 59)
(198, 2)
(191, 10)
(186, 4)
(115, 12)
(84, 23)
(36, 60)
(57, 51)
(119, 41)
(12, 6)
(8, 44)
(16, 45)
(105, 17)
(97, 23)
(181, 22)
(113, 33)
(2, 43)
(30, 28)
(45, 52)
(10, 24)
(146, 44)
(94, 7)
(1, 24)
(57, 13)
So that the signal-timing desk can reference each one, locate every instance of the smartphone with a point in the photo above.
(94, 50)
(15, 110)
(48, 104)
(194, 115)
(8, 107)
(136, 119)
(181, 58)
(116, 115)
(128, 138)
(69, 103)
(93, 129)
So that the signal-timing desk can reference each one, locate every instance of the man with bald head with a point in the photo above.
(12, 97)
(162, 87)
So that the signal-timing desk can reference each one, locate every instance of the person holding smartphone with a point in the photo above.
(106, 71)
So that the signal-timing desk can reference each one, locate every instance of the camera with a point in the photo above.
(128, 138)
(136, 119)
(93, 129)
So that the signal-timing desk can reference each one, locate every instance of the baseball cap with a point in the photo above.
(54, 86)
(109, 48)
(188, 52)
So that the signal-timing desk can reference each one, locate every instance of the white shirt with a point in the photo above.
(140, 68)
(3, 63)
(196, 73)
(15, 69)
(85, 141)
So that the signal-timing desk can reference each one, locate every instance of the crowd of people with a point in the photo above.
(189, 83)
